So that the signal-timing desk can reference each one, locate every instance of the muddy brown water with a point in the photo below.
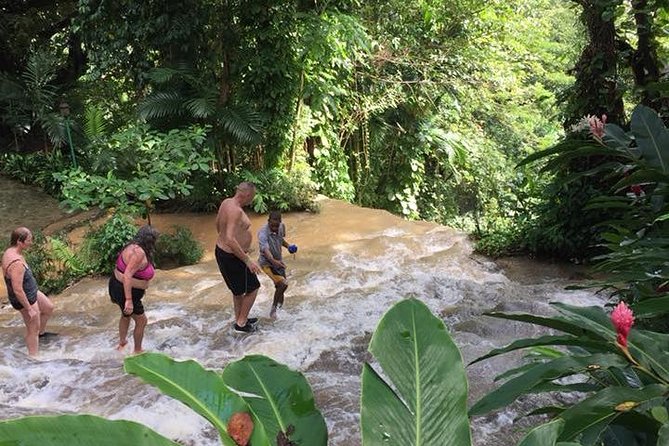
(353, 263)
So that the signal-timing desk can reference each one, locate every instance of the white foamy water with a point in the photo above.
(353, 264)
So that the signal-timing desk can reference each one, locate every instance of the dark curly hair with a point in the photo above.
(146, 239)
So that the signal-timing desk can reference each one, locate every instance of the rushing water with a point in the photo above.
(352, 265)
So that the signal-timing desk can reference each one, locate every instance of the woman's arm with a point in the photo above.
(134, 258)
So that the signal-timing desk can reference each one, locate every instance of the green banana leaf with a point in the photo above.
(77, 430)
(544, 372)
(421, 398)
(651, 136)
(202, 390)
(543, 435)
(280, 398)
(616, 138)
(600, 408)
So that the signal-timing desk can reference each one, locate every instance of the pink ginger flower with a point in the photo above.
(622, 319)
(597, 126)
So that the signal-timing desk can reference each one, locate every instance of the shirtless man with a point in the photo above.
(232, 247)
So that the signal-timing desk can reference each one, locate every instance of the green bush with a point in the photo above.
(54, 263)
(101, 245)
(276, 189)
(177, 249)
(35, 168)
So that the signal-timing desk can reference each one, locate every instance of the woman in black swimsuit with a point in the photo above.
(24, 296)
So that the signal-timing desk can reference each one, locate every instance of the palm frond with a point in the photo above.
(161, 104)
(162, 75)
(52, 123)
(202, 107)
(242, 123)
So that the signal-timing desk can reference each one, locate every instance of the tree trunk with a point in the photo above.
(644, 61)
(596, 90)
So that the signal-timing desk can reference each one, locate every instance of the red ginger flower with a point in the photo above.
(622, 319)
(597, 127)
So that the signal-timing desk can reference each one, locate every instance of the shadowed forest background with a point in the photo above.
(474, 115)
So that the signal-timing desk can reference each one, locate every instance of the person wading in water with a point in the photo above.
(232, 247)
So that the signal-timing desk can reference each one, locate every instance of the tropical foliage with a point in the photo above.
(136, 167)
(177, 248)
(628, 214)
(620, 375)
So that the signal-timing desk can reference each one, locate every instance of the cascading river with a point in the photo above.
(353, 264)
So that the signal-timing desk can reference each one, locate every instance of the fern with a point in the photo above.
(64, 254)
(95, 125)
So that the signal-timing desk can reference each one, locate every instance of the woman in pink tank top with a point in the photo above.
(133, 271)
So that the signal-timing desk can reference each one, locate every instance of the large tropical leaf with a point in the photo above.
(556, 322)
(541, 373)
(651, 136)
(616, 138)
(543, 435)
(646, 347)
(604, 407)
(77, 430)
(280, 398)
(420, 396)
(202, 390)
(651, 307)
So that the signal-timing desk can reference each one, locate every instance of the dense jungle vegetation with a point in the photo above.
(421, 108)
(464, 113)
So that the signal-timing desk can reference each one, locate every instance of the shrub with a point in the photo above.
(101, 245)
(276, 189)
(53, 263)
(35, 169)
(177, 249)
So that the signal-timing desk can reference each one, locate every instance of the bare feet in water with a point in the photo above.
(273, 312)
(121, 345)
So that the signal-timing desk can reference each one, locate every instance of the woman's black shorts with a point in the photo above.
(118, 296)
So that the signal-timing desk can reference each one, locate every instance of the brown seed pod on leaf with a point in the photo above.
(240, 426)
